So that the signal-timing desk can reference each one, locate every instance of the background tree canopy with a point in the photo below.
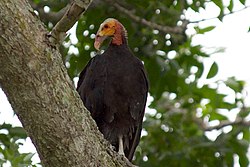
(182, 108)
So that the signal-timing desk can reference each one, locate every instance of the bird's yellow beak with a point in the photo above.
(106, 29)
(98, 41)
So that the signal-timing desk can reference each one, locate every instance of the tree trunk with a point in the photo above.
(37, 85)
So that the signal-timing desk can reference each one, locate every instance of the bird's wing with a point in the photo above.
(137, 109)
(90, 86)
(82, 74)
(139, 96)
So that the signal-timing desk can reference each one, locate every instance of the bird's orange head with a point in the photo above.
(110, 28)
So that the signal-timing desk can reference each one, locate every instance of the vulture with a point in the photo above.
(113, 87)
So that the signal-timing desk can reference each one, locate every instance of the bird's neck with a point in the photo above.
(120, 36)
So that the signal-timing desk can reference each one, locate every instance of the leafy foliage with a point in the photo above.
(9, 143)
(176, 131)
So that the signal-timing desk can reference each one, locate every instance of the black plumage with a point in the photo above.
(113, 86)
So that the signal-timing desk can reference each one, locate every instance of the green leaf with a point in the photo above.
(243, 2)
(235, 85)
(4, 139)
(18, 132)
(246, 134)
(28, 157)
(5, 126)
(204, 30)
(200, 71)
(218, 3)
(213, 71)
(216, 116)
(243, 159)
(230, 6)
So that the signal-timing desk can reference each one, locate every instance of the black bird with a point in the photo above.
(113, 86)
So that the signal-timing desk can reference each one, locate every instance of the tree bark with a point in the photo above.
(37, 85)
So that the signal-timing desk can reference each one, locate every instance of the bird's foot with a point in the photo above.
(120, 152)
(112, 147)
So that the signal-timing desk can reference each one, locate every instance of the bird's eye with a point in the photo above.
(106, 26)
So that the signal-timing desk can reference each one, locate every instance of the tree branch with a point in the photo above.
(212, 18)
(72, 15)
(162, 28)
(223, 124)
(51, 16)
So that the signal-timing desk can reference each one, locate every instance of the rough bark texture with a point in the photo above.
(36, 83)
